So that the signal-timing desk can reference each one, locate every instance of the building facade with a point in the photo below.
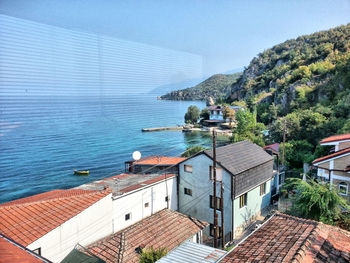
(246, 171)
(137, 196)
(335, 167)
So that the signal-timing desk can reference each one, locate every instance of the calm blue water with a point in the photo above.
(43, 139)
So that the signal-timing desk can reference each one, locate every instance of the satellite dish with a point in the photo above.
(136, 155)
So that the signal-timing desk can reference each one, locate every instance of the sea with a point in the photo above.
(43, 139)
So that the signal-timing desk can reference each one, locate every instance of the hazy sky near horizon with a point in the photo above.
(227, 34)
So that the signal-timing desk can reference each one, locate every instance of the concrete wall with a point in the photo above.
(134, 203)
(198, 205)
(343, 145)
(149, 169)
(90, 225)
(255, 203)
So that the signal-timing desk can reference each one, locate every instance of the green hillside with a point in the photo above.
(301, 86)
(217, 86)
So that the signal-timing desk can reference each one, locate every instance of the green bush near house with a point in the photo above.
(191, 150)
(151, 255)
(316, 201)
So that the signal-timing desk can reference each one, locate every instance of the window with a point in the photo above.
(243, 200)
(37, 251)
(263, 189)
(147, 204)
(218, 202)
(211, 228)
(188, 191)
(343, 188)
(188, 168)
(218, 173)
(166, 198)
(127, 217)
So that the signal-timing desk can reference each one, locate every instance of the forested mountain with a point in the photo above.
(302, 87)
(217, 86)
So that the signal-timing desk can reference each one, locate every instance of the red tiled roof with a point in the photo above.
(27, 219)
(14, 253)
(336, 138)
(159, 160)
(287, 238)
(216, 107)
(165, 229)
(147, 182)
(338, 153)
(275, 147)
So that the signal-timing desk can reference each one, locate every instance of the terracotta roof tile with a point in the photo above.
(286, 238)
(12, 252)
(159, 160)
(335, 138)
(338, 153)
(165, 229)
(25, 220)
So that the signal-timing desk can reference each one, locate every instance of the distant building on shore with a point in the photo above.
(216, 117)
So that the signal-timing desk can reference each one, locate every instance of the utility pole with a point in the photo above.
(284, 140)
(222, 213)
(214, 194)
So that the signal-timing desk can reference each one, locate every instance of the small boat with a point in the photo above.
(81, 172)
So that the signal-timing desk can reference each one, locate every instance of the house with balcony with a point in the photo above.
(216, 116)
(246, 171)
(335, 167)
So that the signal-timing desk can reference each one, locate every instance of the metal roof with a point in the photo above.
(189, 252)
(240, 156)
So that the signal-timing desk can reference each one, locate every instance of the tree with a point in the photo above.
(191, 150)
(192, 114)
(298, 153)
(317, 201)
(205, 114)
(229, 113)
(248, 128)
(151, 255)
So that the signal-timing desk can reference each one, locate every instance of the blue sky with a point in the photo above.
(227, 34)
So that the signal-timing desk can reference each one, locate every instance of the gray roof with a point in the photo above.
(189, 252)
(240, 156)
(123, 183)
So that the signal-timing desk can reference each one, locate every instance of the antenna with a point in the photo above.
(136, 155)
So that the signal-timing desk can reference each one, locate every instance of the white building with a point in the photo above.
(52, 223)
(335, 167)
(137, 196)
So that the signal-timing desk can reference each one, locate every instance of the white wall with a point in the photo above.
(90, 225)
(134, 203)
